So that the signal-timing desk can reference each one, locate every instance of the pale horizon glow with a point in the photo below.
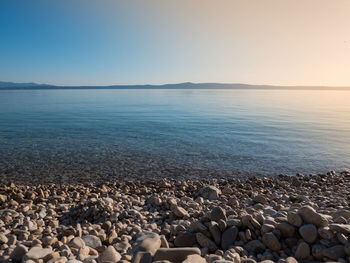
(265, 42)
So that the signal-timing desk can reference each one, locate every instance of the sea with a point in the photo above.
(141, 132)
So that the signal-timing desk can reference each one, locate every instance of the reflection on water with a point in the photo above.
(257, 131)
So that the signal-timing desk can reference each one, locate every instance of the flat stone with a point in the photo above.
(37, 253)
(175, 255)
(185, 239)
(229, 237)
(341, 228)
(92, 241)
(194, 259)
(58, 260)
(325, 232)
(341, 213)
(291, 260)
(142, 257)
(334, 252)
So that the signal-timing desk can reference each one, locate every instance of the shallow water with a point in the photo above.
(248, 131)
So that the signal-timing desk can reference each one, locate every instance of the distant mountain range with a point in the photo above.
(186, 85)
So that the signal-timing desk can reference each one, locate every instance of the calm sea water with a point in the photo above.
(256, 131)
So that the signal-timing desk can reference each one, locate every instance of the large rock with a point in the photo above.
(341, 213)
(347, 249)
(194, 259)
(294, 219)
(291, 260)
(142, 257)
(58, 260)
(180, 212)
(215, 232)
(18, 253)
(3, 238)
(185, 239)
(205, 242)
(148, 242)
(77, 242)
(303, 251)
(36, 253)
(92, 241)
(260, 199)
(210, 192)
(340, 228)
(317, 251)
(309, 215)
(308, 233)
(271, 241)
(229, 237)
(255, 246)
(3, 198)
(109, 255)
(286, 229)
(218, 213)
(325, 232)
(334, 252)
(175, 255)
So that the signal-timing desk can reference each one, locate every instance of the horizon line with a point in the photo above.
(43, 85)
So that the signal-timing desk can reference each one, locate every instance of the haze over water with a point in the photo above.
(266, 132)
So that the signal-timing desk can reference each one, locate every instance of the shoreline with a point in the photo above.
(254, 219)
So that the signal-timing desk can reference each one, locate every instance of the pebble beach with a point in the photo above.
(302, 218)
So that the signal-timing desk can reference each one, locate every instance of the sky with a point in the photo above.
(104, 42)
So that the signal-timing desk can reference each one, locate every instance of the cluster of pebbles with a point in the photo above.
(280, 219)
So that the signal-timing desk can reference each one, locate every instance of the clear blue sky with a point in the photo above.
(83, 42)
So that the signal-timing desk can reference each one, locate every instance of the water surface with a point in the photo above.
(110, 131)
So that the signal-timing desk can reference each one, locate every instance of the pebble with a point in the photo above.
(278, 219)
(310, 216)
(36, 253)
(175, 255)
(92, 241)
(109, 255)
(229, 237)
(206, 242)
(148, 242)
(308, 233)
(218, 214)
(210, 192)
(303, 251)
(271, 241)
